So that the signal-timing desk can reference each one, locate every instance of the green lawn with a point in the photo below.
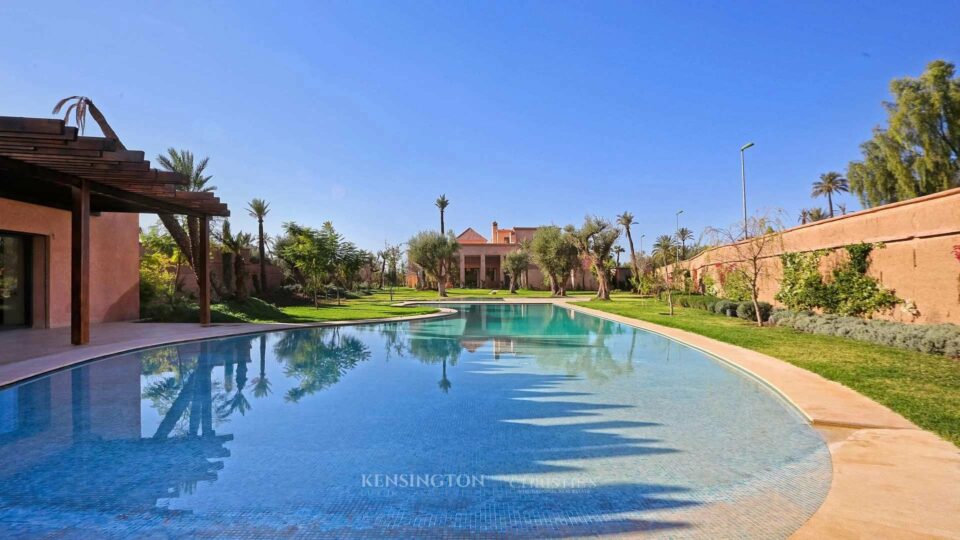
(374, 306)
(922, 387)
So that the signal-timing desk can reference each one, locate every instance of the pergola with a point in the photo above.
(44, 162)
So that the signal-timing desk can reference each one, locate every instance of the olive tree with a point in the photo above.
(516, 263)
(555, 255)
(594, 242)
(430, 250)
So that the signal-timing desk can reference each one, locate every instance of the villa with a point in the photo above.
(482, 262)
(69, 208)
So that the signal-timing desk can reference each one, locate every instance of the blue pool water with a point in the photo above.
(502, 421)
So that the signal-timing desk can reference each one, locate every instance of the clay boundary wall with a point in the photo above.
(916, 260)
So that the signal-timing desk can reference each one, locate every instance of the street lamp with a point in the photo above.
(678, 235)
(743, 184)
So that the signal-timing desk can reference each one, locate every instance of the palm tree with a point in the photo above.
(236, 244)
(625, 220)
(80, 108)
(684, 234)
(843, 209)
(804, 216)
(829, 184)
(259, 208)
(617, 250)
(442, 203)
(664, 247)
(816, 214)
(183, 162)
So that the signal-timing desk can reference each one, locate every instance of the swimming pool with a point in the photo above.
(504, 420)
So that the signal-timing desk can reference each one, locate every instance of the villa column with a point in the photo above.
(500, 272)
(203, 271)
(80, 265)
(483, 270)
(463, 270)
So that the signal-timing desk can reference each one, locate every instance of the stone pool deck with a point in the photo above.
(891, 479)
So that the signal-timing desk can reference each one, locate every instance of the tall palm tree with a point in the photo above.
(625, 220)
(183, 162)
(829, 184)
(259, 208)
(236, 243)
(665, 248)
(684, 234)
(442, 203)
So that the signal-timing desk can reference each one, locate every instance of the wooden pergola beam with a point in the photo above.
(80, 265)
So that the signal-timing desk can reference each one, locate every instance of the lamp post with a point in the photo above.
(743, 186)
(677, 233)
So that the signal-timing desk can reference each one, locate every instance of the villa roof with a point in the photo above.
(42, 158)
(471, 236)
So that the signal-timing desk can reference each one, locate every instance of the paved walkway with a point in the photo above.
(890, 478)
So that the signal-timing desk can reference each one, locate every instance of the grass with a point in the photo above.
(377, 305)
(922, 387)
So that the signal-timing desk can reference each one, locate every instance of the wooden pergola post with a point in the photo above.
(80, 264)
(203, 270)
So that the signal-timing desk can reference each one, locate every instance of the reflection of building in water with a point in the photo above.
(73, 439)
(41, 418)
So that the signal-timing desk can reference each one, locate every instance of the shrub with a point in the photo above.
(943, 339)
(802, 287)
(745, 311)
(849, 292)
(721, 306)
(736, 284)
(698, 301)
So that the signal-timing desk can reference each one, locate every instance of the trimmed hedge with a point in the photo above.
(746, 311)
(943, 339)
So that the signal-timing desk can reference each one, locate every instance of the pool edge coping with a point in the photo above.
(52, 363)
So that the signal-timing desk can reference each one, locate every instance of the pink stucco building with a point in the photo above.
(481, 261)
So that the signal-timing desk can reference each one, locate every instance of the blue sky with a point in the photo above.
(522, 112)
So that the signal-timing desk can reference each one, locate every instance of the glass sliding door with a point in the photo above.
(15, 273)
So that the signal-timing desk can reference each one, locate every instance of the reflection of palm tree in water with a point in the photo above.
(261, 386)
(439, 348)
(445, 383)
(318, 358)
(238, 402)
